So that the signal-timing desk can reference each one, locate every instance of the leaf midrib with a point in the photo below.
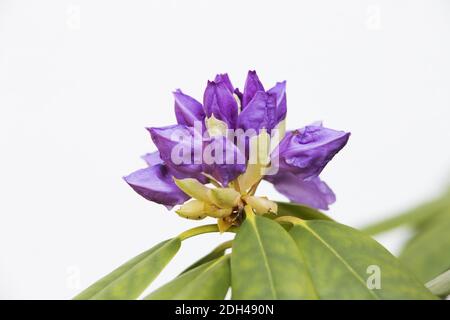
(266, 261)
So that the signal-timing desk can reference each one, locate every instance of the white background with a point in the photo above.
(79, 81)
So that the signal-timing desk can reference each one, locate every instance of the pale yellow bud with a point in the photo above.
(260, 148)
(194, 209)
(224, 197)
(216, 127)
(193, 188)
(251, 176)
(238, 101)
(212, 180)
(259, 158)
(261, 205)
(219, 212)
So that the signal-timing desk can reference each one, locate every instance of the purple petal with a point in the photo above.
(219, 101)
(223, 160)
(179, 147)
(209, 98)
(152, 158)
(156, 184)
(314, 192)
(226, 80)
(252, 85)
(280, 92)
(259, 113)
(187, 109)
(306, 152)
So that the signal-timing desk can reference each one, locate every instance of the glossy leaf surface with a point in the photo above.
(348, 264)
(132, 278)
(209, 281)
(266, 264)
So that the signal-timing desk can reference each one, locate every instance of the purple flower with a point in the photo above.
(187, 109)
(252, 86)
(279, 90)
(218, 100)
(259, 113)
(201, 146)
(314, 192)
(223, 160)
(156, 184)
(261, 109)
(305, 152)
(178, 148)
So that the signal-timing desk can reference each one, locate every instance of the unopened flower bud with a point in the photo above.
(219, 212)
(261, 205)
(193, 188)
(216, 127)
(250, 177)
(260, 148)
(224, 197)
(194, 209)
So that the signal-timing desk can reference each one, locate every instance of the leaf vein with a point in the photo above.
(341, 259)
(266, 261)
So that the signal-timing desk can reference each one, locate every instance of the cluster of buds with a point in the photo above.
(225, 204)
(217, 174)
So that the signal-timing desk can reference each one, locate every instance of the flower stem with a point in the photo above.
(222, 247)
(208, 228)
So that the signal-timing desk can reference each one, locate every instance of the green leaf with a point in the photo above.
(209, 281)
(300, 211)
(132, 278)
(427, 254)
(416, 217)
(218, 252)
(265, 263)
(344, 264)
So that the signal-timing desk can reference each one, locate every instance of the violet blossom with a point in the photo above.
(299, 157)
